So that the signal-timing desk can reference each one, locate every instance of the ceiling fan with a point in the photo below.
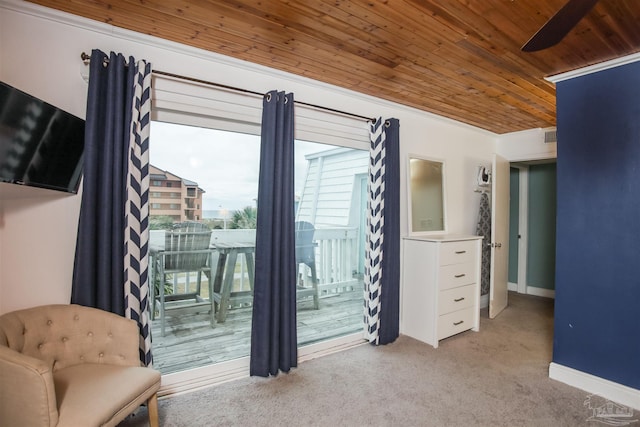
(559, 25)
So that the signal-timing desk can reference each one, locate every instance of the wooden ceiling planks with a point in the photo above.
(456, 58)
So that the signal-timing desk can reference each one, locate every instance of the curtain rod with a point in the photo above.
(87, 58)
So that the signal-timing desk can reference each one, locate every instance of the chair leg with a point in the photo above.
(198, 285)
(211, 290)
(152, 408)
(314, 279)
(162, 313)
(153, 301)
(152, 289)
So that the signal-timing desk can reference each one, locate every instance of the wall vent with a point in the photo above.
(550, 136)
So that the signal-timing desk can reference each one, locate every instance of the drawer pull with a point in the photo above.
(460, 252)
(458, 323)
(457, 276)
(458, 299)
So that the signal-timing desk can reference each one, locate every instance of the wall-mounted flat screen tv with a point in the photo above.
(40, 144)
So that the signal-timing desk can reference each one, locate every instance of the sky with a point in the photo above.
(224, 164)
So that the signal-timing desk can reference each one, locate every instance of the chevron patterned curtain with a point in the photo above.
(136, 234)
(484, 229)
(382, 248)
(110, 269)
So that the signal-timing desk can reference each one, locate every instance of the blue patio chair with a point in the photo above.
(305, 254)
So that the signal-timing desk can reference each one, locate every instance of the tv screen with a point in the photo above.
(40, 145)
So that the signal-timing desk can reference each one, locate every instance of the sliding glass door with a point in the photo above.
(210, 177)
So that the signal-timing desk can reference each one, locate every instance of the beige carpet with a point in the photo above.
(495, 377)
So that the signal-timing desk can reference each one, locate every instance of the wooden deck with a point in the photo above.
(191, 342)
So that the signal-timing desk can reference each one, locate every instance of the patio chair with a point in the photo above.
(186, 250)
(305, 254)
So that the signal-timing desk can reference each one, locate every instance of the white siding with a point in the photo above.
(330, 187)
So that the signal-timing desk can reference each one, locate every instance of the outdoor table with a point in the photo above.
(225, 271)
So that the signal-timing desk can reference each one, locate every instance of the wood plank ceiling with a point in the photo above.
(456, 58)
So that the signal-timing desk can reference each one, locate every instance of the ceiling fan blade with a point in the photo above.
(559, 25)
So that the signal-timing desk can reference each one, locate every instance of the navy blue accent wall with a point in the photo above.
(597, 308)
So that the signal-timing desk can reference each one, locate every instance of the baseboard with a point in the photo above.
(532, 290)
(484, 301)
(541, 292)
(513, 287)
(595, 385)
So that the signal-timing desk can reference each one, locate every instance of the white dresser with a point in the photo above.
(441, 286)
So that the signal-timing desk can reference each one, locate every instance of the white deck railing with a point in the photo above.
(338, 256)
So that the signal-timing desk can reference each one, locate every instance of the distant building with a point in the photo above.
(173, 196)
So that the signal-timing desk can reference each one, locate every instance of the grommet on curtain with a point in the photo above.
(105, 60)
(268, 97)
(387, 124)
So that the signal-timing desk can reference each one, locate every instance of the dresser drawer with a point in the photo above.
(457, 252)
(454, 275)
(456, 299)
(455, 322)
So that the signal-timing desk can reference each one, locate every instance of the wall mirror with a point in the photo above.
(427, 211)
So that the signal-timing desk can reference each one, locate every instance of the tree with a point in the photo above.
(160, 222)
(245, 218)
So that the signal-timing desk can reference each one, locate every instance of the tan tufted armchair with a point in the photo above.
(69, 365)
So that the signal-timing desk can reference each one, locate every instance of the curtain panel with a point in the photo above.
(136, 233)
(382, 248)
(274, 342)
(110, 267)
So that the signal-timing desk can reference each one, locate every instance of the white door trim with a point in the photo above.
(523, 226)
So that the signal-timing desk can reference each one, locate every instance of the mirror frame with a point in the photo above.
(413, 232)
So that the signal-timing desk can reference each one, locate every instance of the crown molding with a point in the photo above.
(623, 60)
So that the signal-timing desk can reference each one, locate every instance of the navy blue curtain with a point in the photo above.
(390, 280)
(274, 342)
(99, 260)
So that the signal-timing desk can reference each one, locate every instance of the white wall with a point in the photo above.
(37, 249)
(526, 145)
(40, 54)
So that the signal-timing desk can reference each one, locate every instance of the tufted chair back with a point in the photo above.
(68, 335)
